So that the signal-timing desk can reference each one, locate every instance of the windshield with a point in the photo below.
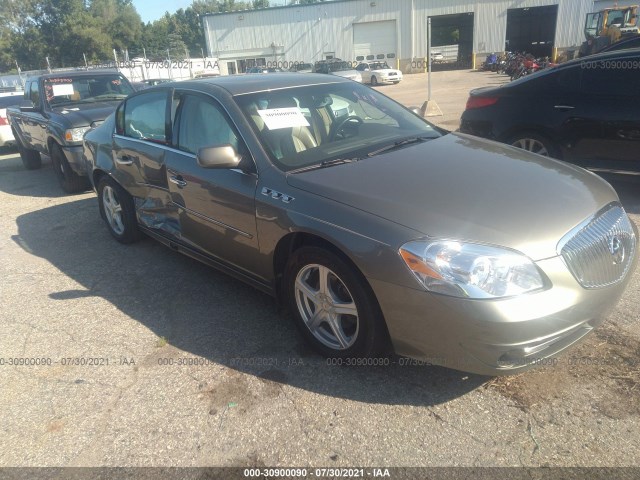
(591, 26)
(65, 91)
(305, 126)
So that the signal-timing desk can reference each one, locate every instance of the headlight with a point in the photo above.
(75, 134)
(470, 270)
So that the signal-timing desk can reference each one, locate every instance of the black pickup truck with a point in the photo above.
(63, 107)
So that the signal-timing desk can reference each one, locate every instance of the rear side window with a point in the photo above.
(616, 77)
(145, 117)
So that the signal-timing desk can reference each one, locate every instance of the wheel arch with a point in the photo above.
(291, 242)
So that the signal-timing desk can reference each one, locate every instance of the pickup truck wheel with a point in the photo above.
(69, 180)
(332, 306)
(118, 211)
(30, 158)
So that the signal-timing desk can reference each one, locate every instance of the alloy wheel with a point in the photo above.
(327, 307)
(531, 145)
(112, 210)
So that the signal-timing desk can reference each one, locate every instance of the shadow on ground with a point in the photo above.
(28, 183)
(206, 313)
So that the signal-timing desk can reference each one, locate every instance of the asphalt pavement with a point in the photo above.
(139, 356)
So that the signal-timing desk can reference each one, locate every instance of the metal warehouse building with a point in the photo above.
(395, 30)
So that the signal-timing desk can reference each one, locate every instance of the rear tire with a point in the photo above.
(535, 143)
(118, 211)
(69, 180)
(332, 306)
(30, 158)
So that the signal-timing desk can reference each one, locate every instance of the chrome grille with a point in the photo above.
(601, 252)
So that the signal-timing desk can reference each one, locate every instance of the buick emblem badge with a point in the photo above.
(616, 249)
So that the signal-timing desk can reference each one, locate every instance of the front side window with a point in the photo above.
(145, 117)
(201, 123)
(301, 127)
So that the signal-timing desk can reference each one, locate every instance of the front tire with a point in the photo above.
(374, 81)
(332, 305)
(118, 211)
(30, 158)
(69, 180)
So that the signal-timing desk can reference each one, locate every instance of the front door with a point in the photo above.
(216, 206)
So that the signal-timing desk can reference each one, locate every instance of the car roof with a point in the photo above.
(598, 57)
(622, 44)
(629, 52)
(244, 84)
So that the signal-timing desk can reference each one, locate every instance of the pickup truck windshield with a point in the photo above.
(65, 91)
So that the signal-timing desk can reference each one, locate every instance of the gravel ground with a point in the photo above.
(189, 367)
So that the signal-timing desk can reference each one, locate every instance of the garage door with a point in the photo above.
(374, 40)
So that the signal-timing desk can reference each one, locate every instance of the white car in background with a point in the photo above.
(338, 67)
(12, 99)
(378, 72)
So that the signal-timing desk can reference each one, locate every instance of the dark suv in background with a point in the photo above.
(586, 112)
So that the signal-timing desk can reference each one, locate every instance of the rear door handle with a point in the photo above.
(564, 107)
(178, 180)
(125, 159)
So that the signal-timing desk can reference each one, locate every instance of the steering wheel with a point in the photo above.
(340, 123)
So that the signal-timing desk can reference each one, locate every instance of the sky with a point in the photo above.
(151, 10)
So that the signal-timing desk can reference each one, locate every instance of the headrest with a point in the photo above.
(316, 101)
(282, 102)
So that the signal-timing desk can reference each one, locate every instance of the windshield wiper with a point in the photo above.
(398, 144)
(324, 164)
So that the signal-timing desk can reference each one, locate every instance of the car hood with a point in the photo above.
(80, 115)
(466, 188)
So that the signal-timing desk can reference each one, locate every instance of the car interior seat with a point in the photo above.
(286, 143)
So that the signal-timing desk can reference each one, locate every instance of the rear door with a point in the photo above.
(139, 148)
(216, 206)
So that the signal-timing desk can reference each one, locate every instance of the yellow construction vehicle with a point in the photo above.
(607, 26)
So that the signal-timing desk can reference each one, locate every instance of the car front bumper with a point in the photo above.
(387, 80)
(495, 337)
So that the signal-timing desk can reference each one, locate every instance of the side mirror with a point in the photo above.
(223, 156)
(418, 111)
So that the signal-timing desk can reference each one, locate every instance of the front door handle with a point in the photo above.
(178, 180)
(125, 159)
(564, 107)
